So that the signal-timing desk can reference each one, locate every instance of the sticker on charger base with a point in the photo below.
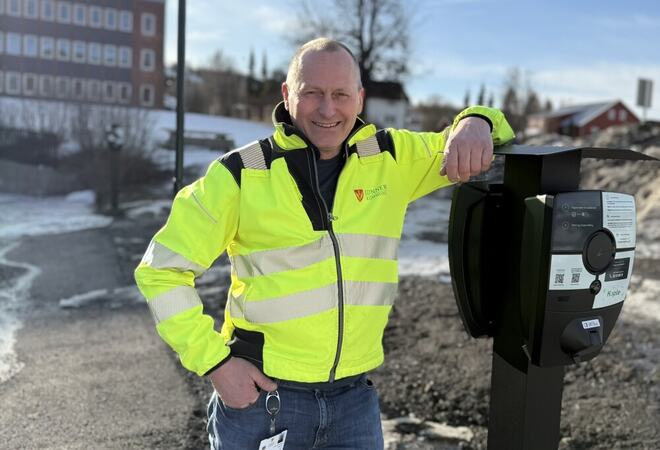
(589, 324)
(619, 217)
(568, 272)
(616, 280)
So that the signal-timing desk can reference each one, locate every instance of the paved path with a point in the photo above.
(95, 376)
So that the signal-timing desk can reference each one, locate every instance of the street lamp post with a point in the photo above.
(180, 98)
(114, 136)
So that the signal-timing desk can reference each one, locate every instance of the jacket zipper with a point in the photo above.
(335, 245)
(340, 285)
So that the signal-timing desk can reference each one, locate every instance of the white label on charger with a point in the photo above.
(568, 272)
(593, 323)
(619, 217)
(615, 286)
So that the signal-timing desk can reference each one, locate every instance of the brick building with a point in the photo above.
(581, 120)
(98, 51)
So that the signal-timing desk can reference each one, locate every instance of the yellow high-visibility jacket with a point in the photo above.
(311, 289)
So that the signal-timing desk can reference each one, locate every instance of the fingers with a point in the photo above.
(487, 156)
(468, 151)
(262, 380)
(450, 162)
(464, 157)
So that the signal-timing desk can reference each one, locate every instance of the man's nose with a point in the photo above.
(327, 106)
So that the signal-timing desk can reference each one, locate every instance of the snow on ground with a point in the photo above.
(192, 157)
(113, 298)
(239, 130)
(420, 253)
(12, 293)
(22, 215)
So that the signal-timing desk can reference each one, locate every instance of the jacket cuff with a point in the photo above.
(481, 116)
(222, 361)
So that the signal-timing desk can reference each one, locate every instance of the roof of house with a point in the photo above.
(390, 90)
(579, 115)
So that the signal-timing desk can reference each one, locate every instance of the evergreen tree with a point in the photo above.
(251, 64)
(264, 67)
(481, 97)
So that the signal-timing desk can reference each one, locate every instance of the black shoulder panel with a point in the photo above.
(385, 142)
(233, 162)
(268, 151)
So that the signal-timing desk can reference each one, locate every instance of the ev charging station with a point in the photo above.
(543, 268)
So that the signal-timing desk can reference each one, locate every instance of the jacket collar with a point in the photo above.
(288, 137)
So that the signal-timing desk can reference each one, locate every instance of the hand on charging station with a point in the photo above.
(468, 151)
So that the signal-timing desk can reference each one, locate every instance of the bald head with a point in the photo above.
(317, 45)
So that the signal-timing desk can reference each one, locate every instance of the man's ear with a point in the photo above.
(285, 95)
(361, 94)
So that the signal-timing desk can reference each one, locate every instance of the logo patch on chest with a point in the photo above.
(370, 194)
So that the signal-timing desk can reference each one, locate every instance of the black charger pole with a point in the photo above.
(180, 97)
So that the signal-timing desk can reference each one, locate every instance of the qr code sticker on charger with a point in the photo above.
(559, 278)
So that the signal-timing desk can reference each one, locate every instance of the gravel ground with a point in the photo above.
(436, 373)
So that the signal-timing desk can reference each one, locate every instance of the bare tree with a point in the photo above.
(376, 30)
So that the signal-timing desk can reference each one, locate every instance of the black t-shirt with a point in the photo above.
(328, 170)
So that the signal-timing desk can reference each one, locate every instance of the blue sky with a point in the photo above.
(574, 51)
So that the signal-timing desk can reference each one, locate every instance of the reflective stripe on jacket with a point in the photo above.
(311, 289)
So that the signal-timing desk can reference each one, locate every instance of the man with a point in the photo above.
(311, 219)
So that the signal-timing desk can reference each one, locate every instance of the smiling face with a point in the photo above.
(325, 98)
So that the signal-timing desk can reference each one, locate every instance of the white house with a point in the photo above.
(387, 104)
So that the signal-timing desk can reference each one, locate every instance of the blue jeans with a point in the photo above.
(339, 418)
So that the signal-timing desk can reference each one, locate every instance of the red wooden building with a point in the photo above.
(581, 120)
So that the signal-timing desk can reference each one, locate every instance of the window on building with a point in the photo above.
(95, 17)
(78, 88)
(30, 9)
(147, 94)
(14, 9)
(611, 115)
(126, 21)
(148, 24)
(93, 89)
(125, 57)
(46, 45)
(109, 55)
(2, 41)
(147, 60)
(46, 86)
(29, 84)
(63, 49)
(110, 18)
(79, 51)
(13, 44)
(2, 74)
(623, 115)
(13, 83)
(47, 10)
(30, 45)
(80, 14)
(125, 92)
(64, 12)
(63, 85)
(94, 53)
(109, 91)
